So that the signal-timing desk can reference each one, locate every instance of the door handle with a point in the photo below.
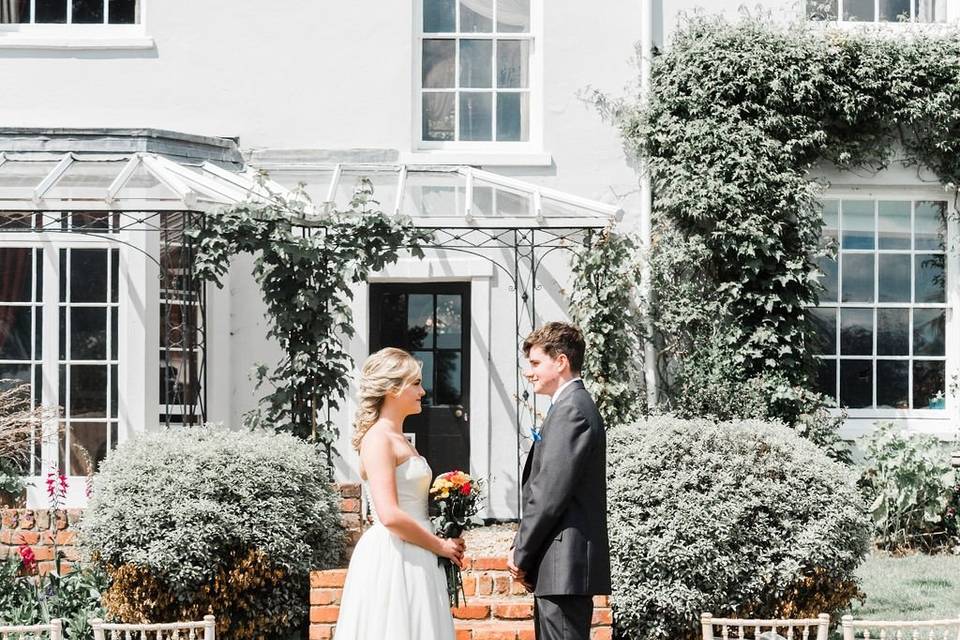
(460, 413)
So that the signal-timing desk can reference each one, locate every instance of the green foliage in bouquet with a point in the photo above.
(191, 521)
(741, 519)
(912, 490)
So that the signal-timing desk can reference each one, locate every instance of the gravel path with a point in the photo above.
(493, 540)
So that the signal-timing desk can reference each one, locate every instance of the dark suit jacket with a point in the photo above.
(562, 544)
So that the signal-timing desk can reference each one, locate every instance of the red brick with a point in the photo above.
(321, 632)
(471, 612)
(350, 505)
(602, 616)
(329, 578)
(494, 634)
(501, 585)
(469, 585)
(66, 537)
(601, 633)
(324, 596)
(526, 634)
(27, 519)
(324, 614)
(490, 564)
(601, 601)
(9, 518)
(350, 491)
(517, 588)
(43, 553)
(513, 611)
(485, 585)
(27, 537)
(464, 634)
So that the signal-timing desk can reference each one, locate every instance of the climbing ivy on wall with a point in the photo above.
(740, 115)
(306, 275)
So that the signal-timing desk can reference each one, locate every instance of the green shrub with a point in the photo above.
(909, 484)
(192, 521)
(738, 518)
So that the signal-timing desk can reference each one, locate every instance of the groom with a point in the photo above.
(561, 551)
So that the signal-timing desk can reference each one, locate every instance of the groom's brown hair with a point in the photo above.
(556, 338)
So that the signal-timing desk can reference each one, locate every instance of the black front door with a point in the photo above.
(432, 322)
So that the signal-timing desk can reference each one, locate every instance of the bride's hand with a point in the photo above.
(452, 548)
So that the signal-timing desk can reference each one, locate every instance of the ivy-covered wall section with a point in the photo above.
(740, 113)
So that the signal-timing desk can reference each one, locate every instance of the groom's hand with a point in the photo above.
(516, 572)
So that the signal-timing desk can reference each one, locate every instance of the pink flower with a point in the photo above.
(27, 558)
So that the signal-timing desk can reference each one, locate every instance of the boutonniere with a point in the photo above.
(535, 434)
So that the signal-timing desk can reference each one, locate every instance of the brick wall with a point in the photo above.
(33, 527)
(497, 608)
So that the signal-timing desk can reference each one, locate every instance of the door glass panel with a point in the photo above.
(449, 377)
(420, 321)
(426, 359)
(449, 321)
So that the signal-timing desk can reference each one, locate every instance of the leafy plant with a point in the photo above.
(604, 303)
(909, 484)
(19, 421)
(306, 269)
(739, 518)
(191, 521)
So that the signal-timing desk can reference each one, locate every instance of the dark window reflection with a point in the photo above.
(88, 390)
(928, 384)
(449, 376)
(88, 275)
(15, 333)
(929, 329)
(51, 11)
(857, 283)
(824, 323)
(856, 332)
(827, 378)
(930, 277)
(124, 12)
(856, 383)
(893, 332)
(893, 385)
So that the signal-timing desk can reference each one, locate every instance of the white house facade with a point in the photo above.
(469, 113)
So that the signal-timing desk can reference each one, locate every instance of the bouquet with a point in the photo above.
(455, 496)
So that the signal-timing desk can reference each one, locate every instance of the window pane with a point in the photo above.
(513, 16)
(928, 384)
(857, 224)
(930, 10)
(438, 116)
(476, 16)
(449, 321)
(88, 447)
(426, 358)
(929, 329)
(827, 378)
(475, 116)
(824, 323)
(513, 64)
(51, 11)
(439, 16)
(439, 63)
(930, 225)
(857, 283)
(829, 279)
(894, 10)
(88, 275)
(893, 277)
(831, 220)
(476, 63)
(16, 282)
(449, 376)
(822, 9)
(856, 332)
(15, 12)
(18, 372)
(15, 333)
(930, 277)
(88, 390)
(861, 10)
(856, 383)
(114, 338)
(420, 321)
(124, 12)
(893, 384)
(88, 333)
(894, 224)
(88, 11)
(512, 116)
(893, 332)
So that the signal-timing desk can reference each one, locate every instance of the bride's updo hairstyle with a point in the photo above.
(389, 370)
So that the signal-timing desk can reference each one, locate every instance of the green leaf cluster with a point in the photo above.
(741, 115)
(306, 270)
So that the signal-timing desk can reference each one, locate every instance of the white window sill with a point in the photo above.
(479, 158)
(53, 43)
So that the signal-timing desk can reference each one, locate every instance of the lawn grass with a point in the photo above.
(914, 587)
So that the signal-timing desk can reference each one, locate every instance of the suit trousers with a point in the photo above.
(562, 617)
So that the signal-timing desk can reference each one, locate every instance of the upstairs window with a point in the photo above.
(475, 71)
(878, 10)
(69, 11)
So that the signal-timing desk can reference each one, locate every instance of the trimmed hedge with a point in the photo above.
(735, 518)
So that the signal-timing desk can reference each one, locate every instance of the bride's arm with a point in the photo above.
(380, 465)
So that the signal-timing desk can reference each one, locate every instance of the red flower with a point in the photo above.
(465, 489)
(27, 558)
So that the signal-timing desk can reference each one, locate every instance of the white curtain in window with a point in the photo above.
(512, 12)
(9, 11)
(931, 11)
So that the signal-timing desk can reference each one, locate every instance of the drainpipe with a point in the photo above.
(646, 206)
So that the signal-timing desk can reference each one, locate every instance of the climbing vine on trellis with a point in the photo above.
(306, 271)
(740, 115)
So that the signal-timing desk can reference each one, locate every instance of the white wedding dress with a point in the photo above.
(395, 590)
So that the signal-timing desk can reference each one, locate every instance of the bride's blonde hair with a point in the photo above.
(387, 370)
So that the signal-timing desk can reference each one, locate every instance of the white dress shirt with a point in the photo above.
(556, 394)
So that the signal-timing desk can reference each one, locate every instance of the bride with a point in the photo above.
(394, 587)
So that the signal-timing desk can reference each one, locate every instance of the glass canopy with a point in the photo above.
(434, 197)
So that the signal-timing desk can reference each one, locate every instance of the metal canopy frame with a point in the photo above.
(511, 223)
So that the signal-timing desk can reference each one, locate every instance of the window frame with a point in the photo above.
(951, 356)
(83, 36)
(534, 143)
(951, 15)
